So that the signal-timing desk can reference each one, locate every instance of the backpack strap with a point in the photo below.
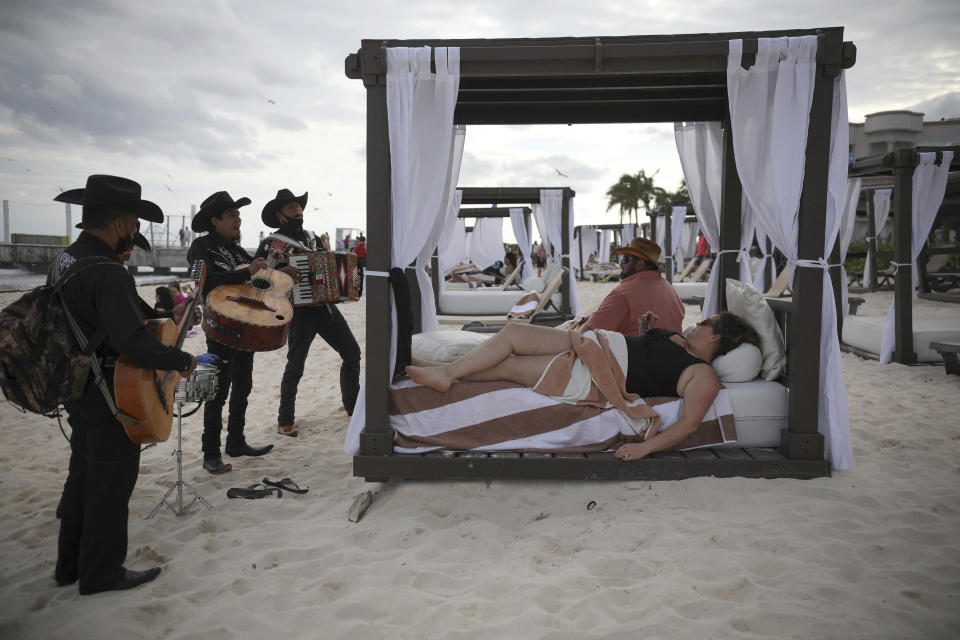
(88, 348)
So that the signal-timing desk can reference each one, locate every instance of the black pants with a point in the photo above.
(327, 322)
(104, 465)
(236, 374)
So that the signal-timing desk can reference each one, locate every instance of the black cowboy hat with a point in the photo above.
(214, 206)
(138, 238)
(112, 192)
(269, 215)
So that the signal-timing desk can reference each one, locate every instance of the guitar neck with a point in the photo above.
(187, 320)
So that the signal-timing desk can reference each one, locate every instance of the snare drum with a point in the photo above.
(198, 386)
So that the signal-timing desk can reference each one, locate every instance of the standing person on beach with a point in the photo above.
(104, 462)
(285, 214)
(219, 215)
(641, 289)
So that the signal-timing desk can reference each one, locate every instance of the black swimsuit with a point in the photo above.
(655, 362)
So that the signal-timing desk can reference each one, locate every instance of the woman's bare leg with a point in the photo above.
(513, 339)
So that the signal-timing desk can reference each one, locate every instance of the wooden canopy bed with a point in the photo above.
(617, 230)
(607, 80)
(900, 166)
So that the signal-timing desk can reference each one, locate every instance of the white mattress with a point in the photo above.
(690, 289)
(760, 411)
(482, 303)
(866, 333)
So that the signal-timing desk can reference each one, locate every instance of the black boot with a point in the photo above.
(214, 465)
(237, 449)
(129, 580)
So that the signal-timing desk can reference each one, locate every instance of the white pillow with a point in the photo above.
(445, 345)
(748, 303)
(533, 283)
(741, 364)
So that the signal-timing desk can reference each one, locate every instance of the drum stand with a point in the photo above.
(180, 509)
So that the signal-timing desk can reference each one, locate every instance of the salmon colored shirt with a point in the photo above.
(637, 294)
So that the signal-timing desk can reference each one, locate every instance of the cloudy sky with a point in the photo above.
(194, 96)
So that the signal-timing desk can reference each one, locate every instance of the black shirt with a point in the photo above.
(222, 257)
(105, 295)
(655, 362)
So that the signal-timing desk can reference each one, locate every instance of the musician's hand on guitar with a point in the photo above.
(292, 272)
(192, 368)
(180, 309)
(257, 265)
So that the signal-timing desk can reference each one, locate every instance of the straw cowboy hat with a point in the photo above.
(112, 192)
(641, 248)
(214, 206)
(269, 215)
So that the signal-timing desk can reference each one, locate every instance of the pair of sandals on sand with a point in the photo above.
(266, 488)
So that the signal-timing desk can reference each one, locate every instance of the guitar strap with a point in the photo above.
(88, 348)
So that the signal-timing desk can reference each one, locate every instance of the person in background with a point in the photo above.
(176, 292)
(703, 249)
(641, 289)
(361, 250)
(164, 301)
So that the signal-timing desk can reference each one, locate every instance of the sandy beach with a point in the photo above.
(873, 552)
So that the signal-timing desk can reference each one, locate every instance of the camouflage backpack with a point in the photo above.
(42, 362)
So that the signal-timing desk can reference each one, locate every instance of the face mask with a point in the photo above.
(295, 223)
(125, 244)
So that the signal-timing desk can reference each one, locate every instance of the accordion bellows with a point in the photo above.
(326, 277)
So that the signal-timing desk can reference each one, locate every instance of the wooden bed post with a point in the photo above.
(904, 163)
(565, 252)
(668, 242)
(377, 436)
(413, 285)
(579, 233)
(730, 222)
(770, 270)
(435, 277)
(837, 282)
(872, 244)
(802, 439)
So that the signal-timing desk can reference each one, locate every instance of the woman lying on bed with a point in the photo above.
(657, 363)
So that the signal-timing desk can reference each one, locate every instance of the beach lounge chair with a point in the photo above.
(546, 311)
(687, 269)
(780, 285)
(511, 280)
(702, 272)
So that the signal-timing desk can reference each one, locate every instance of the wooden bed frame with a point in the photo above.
(901, 164)
(617, 239)
(595, 80)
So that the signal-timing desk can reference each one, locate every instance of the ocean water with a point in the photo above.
(23, 280)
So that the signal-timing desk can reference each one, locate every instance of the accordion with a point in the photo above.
(326, 276)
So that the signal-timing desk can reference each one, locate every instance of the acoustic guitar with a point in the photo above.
(145, 396)
(252, 316)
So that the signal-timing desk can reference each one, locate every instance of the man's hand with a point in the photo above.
(192, 368)
(648, 321)
(293, 272)
(257, 265)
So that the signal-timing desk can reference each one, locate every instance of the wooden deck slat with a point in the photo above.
(764, 453)
(732, 454)
(700, 454)
(763, 465)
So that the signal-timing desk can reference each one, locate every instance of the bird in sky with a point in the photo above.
(271, 101)
(168, 188)
(560, 173)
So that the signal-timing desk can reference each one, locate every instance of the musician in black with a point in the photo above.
(219, 216)
(285, 214)
(104, 462)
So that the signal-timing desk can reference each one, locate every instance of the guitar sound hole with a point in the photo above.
(261, 284)
(279, 317)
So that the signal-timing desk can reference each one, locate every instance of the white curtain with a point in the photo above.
(441, 228)
(881, 210)
(770, 113)
(700, 146)
(548, 219)
(677, 216)
(765, 259)
(523, 241)
(661, 236)
(929, 185)
(586, 243)
(628, 233)
(688, 241)
(486, 243)
(846, 234)
(452, 248)
(607, 238)
(420, 107)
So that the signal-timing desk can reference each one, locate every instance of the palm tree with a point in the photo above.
(631, 192)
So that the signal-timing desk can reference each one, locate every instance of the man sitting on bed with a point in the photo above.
(641, 289)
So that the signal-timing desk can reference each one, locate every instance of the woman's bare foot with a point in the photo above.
(419, 362)
(434, 377)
